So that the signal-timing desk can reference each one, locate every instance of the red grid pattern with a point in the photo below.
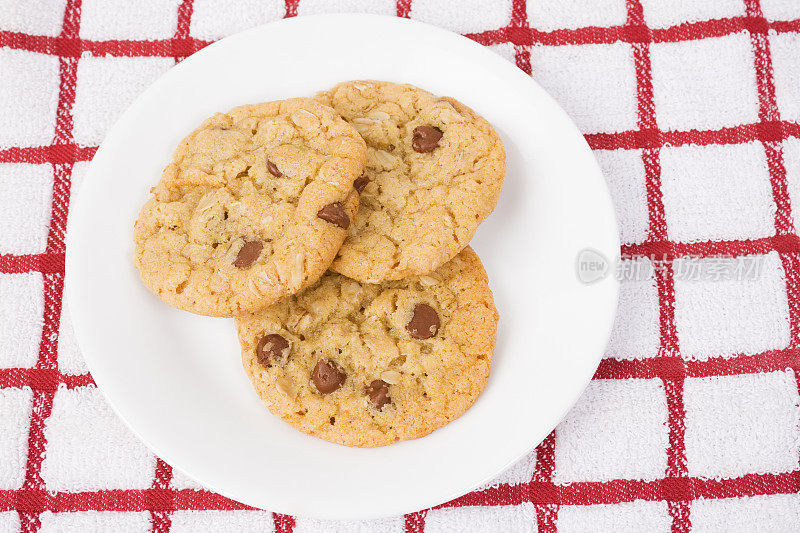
(677, 488)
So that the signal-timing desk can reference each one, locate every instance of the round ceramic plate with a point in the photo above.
(177, 379)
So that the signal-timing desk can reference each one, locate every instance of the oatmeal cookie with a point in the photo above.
(368, 364)
(434, 173)
(253, 207)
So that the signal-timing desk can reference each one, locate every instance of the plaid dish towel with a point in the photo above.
(692, 422)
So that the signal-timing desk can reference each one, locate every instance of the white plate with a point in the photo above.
(176, 378)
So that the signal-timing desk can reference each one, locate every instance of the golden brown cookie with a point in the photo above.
(253, 207)
(434, 173)
(369, 364)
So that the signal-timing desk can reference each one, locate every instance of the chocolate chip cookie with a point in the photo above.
(366, 364)
(253, 207)
(434, 173)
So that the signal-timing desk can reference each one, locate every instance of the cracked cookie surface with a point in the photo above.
(369, 364)
(434, 171)
(253, 207)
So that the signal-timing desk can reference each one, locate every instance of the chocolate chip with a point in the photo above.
(273, 169)
(361, 183)
(425, 138)
(335, 214)
(271, 349)
(378, 393)
(424, 323)
(327, 376)
(248, 254)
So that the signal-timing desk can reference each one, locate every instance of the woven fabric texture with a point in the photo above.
(692, 422)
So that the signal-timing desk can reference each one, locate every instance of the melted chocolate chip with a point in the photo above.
(424, 323)
(378, 393)
(425, 138)
(335, 214)
(327, 377)
(273, 169)
(361, 183)
(248, 254)
(271, 349)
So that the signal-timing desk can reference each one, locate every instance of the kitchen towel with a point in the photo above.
(692, 108)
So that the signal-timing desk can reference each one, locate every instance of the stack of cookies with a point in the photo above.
(335, 230)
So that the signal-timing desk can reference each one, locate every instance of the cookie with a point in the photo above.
(253, 207)
(368, 364)
(434, 173)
